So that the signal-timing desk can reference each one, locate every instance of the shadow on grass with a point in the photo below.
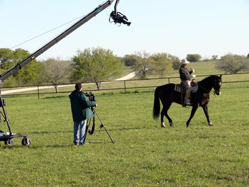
(50, 132)
(121, 129)
(55, 146)
(39, 146)
(96, 130)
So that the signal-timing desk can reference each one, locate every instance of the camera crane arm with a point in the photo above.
(44, 48)
(18, 66)
(115, 6)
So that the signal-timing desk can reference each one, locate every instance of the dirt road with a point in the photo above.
(129, 76)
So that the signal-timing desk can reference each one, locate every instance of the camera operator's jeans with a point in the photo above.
(79, 132)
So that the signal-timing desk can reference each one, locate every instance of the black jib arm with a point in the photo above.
(18, 66)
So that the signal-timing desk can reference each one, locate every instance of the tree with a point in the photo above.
(161, 64)
(175, 62)
(193, 57)
(233, 63)
(143, 65)
(27, 75)
(130, 60)
(6, 57)
(214, 57)
(55, 72)
(96, 64)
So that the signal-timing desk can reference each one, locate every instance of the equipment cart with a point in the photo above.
(8, 138)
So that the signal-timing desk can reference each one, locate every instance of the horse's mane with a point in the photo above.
(208, 82)
(208, 79)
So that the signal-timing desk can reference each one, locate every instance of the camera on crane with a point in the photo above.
(118, 17)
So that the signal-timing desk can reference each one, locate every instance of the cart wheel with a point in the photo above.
(26, 141)
(9, 142)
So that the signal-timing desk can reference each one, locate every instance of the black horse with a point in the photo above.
(167, 95)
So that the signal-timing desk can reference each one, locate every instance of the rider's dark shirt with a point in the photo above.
(185, 74)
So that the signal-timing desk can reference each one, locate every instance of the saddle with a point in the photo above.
(181, 89)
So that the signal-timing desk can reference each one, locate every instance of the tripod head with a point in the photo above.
(91, 96)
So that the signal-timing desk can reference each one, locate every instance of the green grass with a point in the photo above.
(143, 153)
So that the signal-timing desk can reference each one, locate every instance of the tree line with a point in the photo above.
(98, 64)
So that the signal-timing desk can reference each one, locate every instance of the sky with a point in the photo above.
(177, 27)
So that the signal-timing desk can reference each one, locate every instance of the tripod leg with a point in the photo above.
(102, 125)
(88, 122)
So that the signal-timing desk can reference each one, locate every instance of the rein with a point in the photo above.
(206, 91)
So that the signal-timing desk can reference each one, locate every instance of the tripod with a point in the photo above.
(93, 126)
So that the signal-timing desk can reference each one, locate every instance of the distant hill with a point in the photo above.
(205, 68)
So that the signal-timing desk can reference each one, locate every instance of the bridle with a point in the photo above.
(217, 85)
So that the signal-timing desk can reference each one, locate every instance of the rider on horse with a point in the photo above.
(185, 76)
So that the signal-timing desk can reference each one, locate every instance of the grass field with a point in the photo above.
(143, 154)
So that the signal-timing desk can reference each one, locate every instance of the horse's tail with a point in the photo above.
(156, 108)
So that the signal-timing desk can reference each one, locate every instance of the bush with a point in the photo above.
(233, 63)
(193, 57)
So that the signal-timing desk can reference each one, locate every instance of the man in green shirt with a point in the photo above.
(80, 106)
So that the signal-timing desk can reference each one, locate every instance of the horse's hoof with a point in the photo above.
(171, 125)
(210, 124)
(187, 125)
(163, 125)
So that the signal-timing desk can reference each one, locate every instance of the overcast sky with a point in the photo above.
(177, 27)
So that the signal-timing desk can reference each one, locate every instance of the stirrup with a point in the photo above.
(188, 102)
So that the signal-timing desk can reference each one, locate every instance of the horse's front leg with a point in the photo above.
(205, 109)
(194, 108)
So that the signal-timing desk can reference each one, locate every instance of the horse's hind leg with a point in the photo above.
(192, 114)
(165, 113)
(162, 120)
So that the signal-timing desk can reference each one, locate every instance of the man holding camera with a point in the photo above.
(80, 111)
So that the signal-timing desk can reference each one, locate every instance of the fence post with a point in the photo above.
(168, 80)
(125, 85)
(38, 91)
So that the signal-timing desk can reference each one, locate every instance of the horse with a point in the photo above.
(167, 94)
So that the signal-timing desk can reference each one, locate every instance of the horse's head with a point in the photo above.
(217, 84)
